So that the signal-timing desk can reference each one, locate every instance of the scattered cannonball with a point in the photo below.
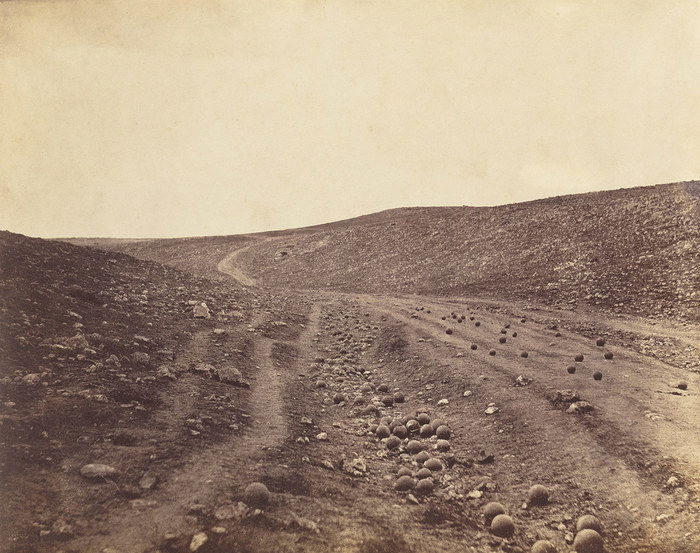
(474, 347)
(388, 401)
(538, 495)
(579, 358)
(382, 431)
(422, 457)
(339, 398)
(442, 445)
(320, 384)
(414, 446)
(366, 388)
(443, 432)
(443, 318)
(393, 442)
(608, 355)
(386, 421)
(571, 369)
(433, 464)
(413, 425)
(507, 325)
(448, 331)
(597, 375)
(404, 483)
(399, 397)
(383, 388)
(514, 335)
(543, 546)
(682, 385)
(523, 354)
(600, 342)
(404, 471)
(471, 318)
(557, 334)
(426, 431)
(492, 510)
(424, 473)
(425, 486)
(492, 352)
(423, 418)
(502, 339)
(256, 495)
(588, 541)
(504, 331)
(436, 423)
(589, 521)
(477, 323)
(502, 526)
(400, 431)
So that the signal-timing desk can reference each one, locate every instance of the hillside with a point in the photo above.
(634, 250)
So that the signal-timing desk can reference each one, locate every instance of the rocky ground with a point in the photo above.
(139, 402)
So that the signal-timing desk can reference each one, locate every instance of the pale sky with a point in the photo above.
(181, 118)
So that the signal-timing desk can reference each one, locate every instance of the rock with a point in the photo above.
(491, 409)
(198, 541)
(681, 385)
(493, 509)
(256, 495)
(77, 342)
(96, 471)
(339, 398)
(140, 358)
(231, 375)
(165, 372)
(231, 511)
(201, 311)
(589, 522)
(443, 402)
(322, 437)
(206, 369)
(672, 482)
(580, 407)
(538, 495)
(502, 526)
(588, 541)
(148, 481)
(543, 546)
(31, 379)
(404, 483)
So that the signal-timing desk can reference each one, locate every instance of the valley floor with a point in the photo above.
(317, 363)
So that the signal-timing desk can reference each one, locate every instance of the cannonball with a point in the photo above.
(383, 388)
(437, 422)
(422, 457)
(492, 510)
(608, 355)
(400, 431)
(393, 442)
(424, 473)
(433, 464)
(543, 546)
(414, 446)
(404, 471)
(477, 323)
(523, 320)
(448, 331)
(504, 331)
(589, 521)
(399, 397)
(373, 428)
(597, 375)
(502, 526)
(523, 354)
(426, 431)
(425, 486)
(388, 401)
(588, 541)
(320, 384)
(442, 445)
(474, 347)
(502, 339)
(538, 495)
(382, 431)
(443, 432)
(423, 418)
(492, 352)
(571, 369)
(515, 335)
(682, 385)
(256, 495)
(413, 425)
(366, 388)
(600, 342)
(579, 358)
(404, 483)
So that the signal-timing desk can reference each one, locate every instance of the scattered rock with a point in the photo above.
(96, 471)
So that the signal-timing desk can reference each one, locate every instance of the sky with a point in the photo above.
(180, 118)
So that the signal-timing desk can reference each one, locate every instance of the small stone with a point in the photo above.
(322, 437)
(96, 471)
(198, 540)
(201, 311)
(443, 402)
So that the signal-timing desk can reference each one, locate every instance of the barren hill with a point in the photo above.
(633, 250)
